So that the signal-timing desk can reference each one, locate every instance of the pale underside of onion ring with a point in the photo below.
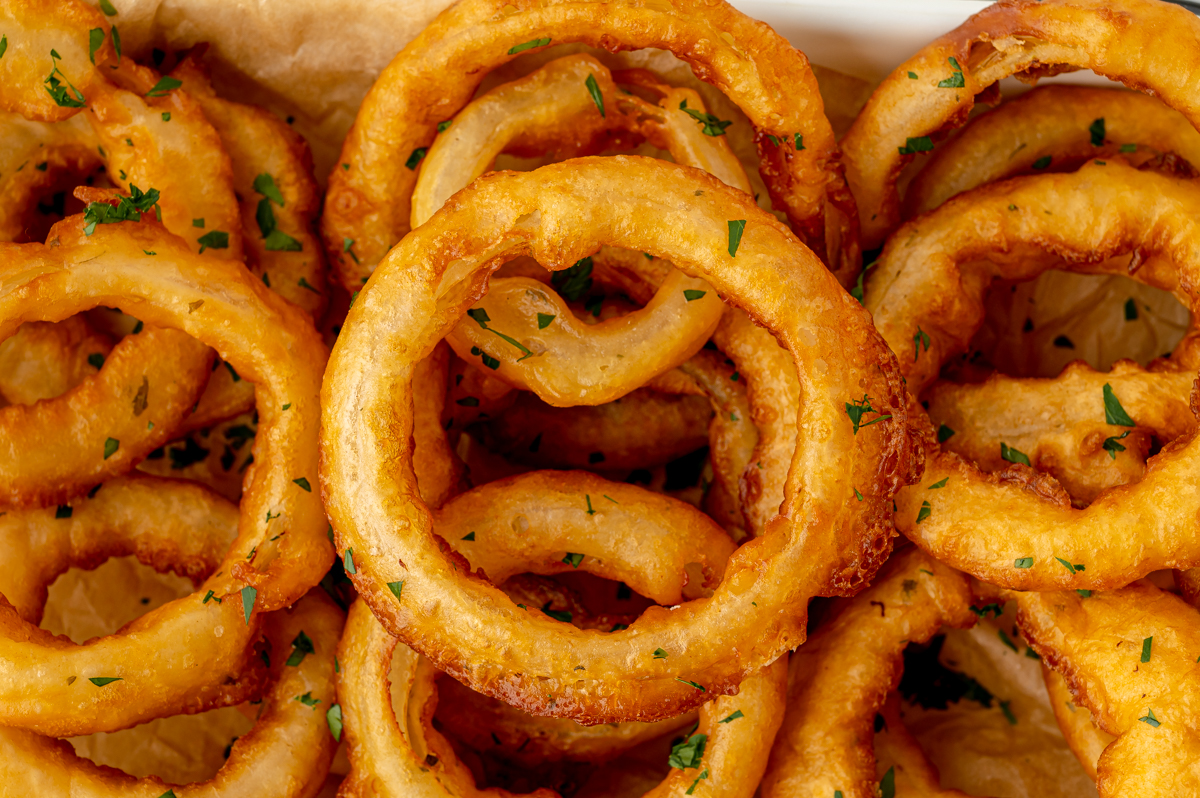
(1149, 45)
(828, 544)
(1076, 221)
(1087, 741)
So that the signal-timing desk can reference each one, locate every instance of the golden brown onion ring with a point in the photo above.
(44, 680)
(43, 360)
(609, 358)
(842, 675)
(56, 449)
(642, 429)
(394, 751)
(168, 130)
(825, 539)
(1059, 424)
(1056, 122)
(288, 257)
(1127, 656)
(1148, 45)
(536, 523)
(289, 748)
(33, 28)
(265, 338)
(368, 203)
(1074, 221)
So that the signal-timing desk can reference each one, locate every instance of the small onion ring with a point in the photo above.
(368, 202)
(824, 540)
(264, 337)
(290, 747)
(1083, 218)
(394, 751)
(527, 523)
(841, 677)
(168, 524)
(1054, 121)
(1148, 44)
(1094, 643)
(577, 362)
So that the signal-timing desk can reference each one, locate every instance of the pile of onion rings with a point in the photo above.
(603, 462)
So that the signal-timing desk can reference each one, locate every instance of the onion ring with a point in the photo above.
(487, 724)
(1057, 122)
(610, 358)
(41, 86)
(535, 523)
(281, 549)
(395, 752)
(368, 202)
(59, 448)
(266, 155)
(168, 525)
(290, 747)
(841, 677)
(1094, 643)
(1128, 530)
(1147, 45)
(829, 544)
